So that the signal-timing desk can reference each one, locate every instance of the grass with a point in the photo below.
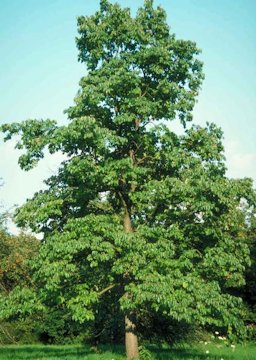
(79, 352)
(58, 352)
(209, 351)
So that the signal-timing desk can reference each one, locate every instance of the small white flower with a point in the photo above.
(205, 343)
(207, 352)
(222, 338)
(232, 346)
(216, 332)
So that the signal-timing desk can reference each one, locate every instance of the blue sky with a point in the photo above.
(40, 74)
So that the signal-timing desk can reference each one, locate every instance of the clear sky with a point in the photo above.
(40, 74)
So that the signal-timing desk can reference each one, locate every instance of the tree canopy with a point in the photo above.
(136, 213)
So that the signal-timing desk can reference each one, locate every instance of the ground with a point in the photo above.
(201, 351)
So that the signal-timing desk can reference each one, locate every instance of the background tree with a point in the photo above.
(15, 252)
(248, 292)
(136, 214)
(251, 273)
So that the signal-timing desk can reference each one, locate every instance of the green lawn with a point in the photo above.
(52, 352)
(76, 352)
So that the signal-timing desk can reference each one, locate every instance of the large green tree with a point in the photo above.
(136, 213)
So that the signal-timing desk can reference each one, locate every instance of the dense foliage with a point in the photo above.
(138, 222)
(15, 252)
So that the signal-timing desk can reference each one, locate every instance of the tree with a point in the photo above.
(15, 252)
(136, 213)
(248, 292)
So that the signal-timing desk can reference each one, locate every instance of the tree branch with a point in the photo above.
(106, 289)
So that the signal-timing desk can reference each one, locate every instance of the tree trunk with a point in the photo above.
(131, 339)
(127, 222)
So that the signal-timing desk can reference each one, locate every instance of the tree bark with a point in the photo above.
(131, 339)
(127, 222)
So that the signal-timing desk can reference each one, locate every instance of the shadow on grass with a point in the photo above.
(33, 352)
(76, 352)
(30, 352)
(185, 354)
